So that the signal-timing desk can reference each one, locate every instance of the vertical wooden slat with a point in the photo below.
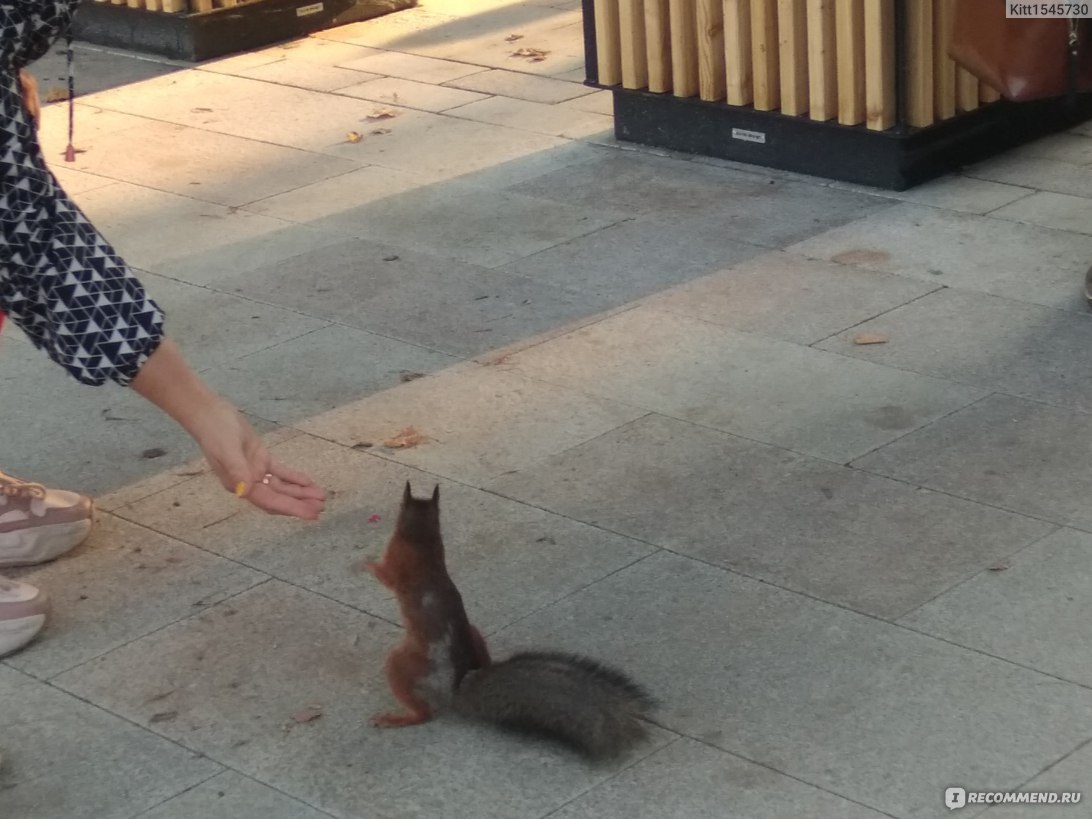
(849, 29)
(987, 94)
(737, 51)
(631, 27)
(202, 5)
(608, 44)
(153, 5)
(711, 65)
(792, 41)
(944, 78)
(764, 59)
(658, 44)
(822, 64)
(684, 48)
(879, 32)
(919, 19)
(966, 90)
(173, 6)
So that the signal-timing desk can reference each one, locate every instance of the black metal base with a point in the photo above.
(205, 35)
(894, 160)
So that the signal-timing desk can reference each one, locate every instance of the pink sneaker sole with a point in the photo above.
(38, 544)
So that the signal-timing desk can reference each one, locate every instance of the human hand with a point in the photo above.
(244, 466)
(30, 95)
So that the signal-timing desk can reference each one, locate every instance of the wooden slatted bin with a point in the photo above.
(198, 30)
(856, 90)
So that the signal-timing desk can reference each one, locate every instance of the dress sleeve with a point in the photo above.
(29, 27)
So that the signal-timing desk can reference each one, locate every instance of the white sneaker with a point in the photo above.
(23, 610)
(39, 524)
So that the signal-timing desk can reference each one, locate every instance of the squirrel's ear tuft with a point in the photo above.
(436, 495)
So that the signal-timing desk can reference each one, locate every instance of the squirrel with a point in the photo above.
(443, 662)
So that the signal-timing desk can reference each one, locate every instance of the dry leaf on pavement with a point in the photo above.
(308, 714)
(871, 338)
(535, 55)
(406, 439)
(353, 136)
(382, 113)
(511, 38)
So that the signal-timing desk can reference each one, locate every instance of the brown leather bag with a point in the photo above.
(1022, 59)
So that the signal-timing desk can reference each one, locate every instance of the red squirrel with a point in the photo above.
(443, 662)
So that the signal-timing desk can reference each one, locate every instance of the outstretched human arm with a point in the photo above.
(230, 445)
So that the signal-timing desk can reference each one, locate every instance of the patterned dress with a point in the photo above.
(60, 280)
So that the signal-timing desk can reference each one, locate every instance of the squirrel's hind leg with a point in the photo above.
(405, 666)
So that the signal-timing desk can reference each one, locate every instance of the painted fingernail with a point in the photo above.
(240, 489)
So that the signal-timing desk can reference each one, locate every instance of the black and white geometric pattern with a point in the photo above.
(60, 280)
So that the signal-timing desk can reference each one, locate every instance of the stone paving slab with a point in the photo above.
(209, 166)
(509, 559)
(411, 94)
(993, 343)
(832, 698)
(1009, 452)
(480, 421)
(124, 583)
(633, 258)
(64, 757)
(1023, 262)
(538, 117)
(1036, 172)
(1052, 210)
(1029, 609)
(731, 204)
(878, 546)
(1068, 775)
(428, 300)
(688, 779)
(522, 86)
(744, 384)
(231, 796)
(280, 383)
(790, 297)
(327, 656)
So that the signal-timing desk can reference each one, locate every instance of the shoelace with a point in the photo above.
(16, 488)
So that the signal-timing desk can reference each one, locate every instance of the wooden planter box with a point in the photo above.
(194, 30)
(856, 90)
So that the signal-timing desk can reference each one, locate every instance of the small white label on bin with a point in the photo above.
(749, 136)
(307, 11)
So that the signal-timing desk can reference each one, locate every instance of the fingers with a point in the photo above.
(294, 490)
(295, 477)
(268, 499)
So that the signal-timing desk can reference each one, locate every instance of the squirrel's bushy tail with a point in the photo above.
(589, 706)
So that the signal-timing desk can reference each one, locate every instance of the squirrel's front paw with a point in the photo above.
(397, 720)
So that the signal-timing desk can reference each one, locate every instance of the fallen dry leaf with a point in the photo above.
(382, 113)
(861, 256)
(404, 377)
(871, 338)
(381, 131)
(154, 452)
(406, 439)
(374, 518)
(363, 445)
(163, 716)
(308, 714)
(353, 136)
(1000, 567)
(511, 38)
(56, 94)
(535, 55)
(200, 110)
